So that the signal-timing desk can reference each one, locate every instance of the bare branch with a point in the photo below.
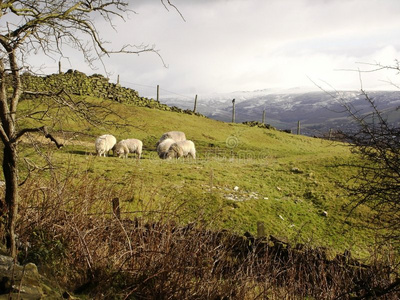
(376, 143)
(42, 129)
(172, 5)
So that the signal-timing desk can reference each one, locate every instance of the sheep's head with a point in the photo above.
(162, 155)
(174, 152)
(121, 150)
(170, 154)
(120, 153)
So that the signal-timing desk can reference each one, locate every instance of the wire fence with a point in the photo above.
(185, 101)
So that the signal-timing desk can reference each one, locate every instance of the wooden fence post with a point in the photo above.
(263, 118)
(298, 127)
(195, 104)
(233, 111)
(116, 208)
(59, 67)
(260, 229)
(158, 93)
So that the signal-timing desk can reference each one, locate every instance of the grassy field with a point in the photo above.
(242, 175)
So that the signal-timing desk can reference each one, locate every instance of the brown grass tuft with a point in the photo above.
(74, 235)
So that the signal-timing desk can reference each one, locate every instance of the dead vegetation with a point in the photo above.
(72, 233)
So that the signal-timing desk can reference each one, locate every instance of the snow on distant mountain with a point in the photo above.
(317, 111)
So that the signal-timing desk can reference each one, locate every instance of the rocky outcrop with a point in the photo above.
(257, 124)
(23, 282)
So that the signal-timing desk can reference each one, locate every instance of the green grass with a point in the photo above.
(283, 180)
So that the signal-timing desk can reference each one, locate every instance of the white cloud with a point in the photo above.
(228, 45)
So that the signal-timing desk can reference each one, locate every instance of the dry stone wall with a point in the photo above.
(78, 83)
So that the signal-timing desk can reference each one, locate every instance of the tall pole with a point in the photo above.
(158, 93)
(233, 111)
(263, 118)
(59, 67)
(195, 104)
(298, 127)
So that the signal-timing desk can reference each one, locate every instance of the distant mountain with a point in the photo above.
(317, 111)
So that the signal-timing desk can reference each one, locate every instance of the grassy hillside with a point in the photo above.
(242, 175)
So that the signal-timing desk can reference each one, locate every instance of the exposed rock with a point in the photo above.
(296, 170)
(24, 281)
(258, 124)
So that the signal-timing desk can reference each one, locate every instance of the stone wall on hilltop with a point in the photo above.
(96, 85)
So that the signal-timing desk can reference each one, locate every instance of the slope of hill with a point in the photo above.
(242, 175)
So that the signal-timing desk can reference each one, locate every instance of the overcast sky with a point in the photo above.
(237, 45)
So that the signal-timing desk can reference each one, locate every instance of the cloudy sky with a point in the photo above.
(237, 45)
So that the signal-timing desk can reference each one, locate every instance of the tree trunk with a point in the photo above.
(11, 197)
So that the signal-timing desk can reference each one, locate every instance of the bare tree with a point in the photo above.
(376, 142)
(375, 139)
(45, 26)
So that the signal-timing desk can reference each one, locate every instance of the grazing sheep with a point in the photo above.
(163, 147)
(177, 136)
(104, 144)
(124, 147)
(181, 149)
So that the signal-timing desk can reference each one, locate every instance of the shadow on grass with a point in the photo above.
(150, 156)
(80, 152)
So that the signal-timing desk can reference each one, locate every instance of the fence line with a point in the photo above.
(156, 89)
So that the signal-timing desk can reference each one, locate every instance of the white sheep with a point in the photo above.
(104, 144)
(181, 149)
(124, 147)
(163, 147)
(177, 136)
